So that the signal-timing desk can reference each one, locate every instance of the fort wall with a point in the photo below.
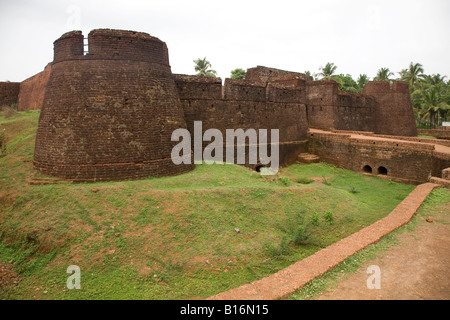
(109, 109)
(9, 91)
(246, 105)
(394, 115)
(32, 90)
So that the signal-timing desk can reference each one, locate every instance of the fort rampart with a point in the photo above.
(109, 107)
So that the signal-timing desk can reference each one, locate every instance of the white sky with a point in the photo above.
(359, 36)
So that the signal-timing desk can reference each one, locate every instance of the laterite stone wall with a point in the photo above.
(109, 114)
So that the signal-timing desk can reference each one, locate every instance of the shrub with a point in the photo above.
(301, 235)
(314, 219)
(276, 250)
(328, 217)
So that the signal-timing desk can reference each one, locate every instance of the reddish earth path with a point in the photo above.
(417, 268)
(288, 280)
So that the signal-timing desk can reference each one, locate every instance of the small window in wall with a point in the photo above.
(382, 170)
(367, 169)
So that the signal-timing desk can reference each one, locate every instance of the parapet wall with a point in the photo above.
(107, 44)
(264, 74)
(9, 92)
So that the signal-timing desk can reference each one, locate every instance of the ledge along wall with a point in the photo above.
(109, 114)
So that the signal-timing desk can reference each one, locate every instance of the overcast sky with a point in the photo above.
(358, 36)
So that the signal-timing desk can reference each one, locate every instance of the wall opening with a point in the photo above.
(258, 167)
(85, 46)
(382, 170)
(367, 169)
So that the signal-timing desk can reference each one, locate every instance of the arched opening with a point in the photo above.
(367, 169)
(258, 167)
(382, 170)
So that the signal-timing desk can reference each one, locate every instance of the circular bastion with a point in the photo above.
(109, 111)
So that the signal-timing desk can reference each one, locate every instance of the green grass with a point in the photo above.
(172, 237)
(425, 136)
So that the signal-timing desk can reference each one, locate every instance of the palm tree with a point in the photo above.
(435, 79)
(412, 75)
(430, 106)
(327, 71)
(362, 81)
(202, 67)
(383, 74)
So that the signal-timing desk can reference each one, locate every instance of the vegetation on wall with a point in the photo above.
(238, 73)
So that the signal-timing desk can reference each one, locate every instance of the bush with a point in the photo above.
(282, 248)
(301, 235)
(314, 219)
(328, 217)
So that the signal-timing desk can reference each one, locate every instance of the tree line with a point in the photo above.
(430, 94)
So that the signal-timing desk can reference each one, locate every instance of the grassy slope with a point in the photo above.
(174, 237)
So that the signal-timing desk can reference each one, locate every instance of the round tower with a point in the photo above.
(108, 113)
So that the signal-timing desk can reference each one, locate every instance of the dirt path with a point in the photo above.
(416, 268)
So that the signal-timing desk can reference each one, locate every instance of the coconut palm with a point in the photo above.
(412, 75)
(434, 105)
(327, 71)
(435, 79)
(383, 74)
(202, 67)
(362, 81)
